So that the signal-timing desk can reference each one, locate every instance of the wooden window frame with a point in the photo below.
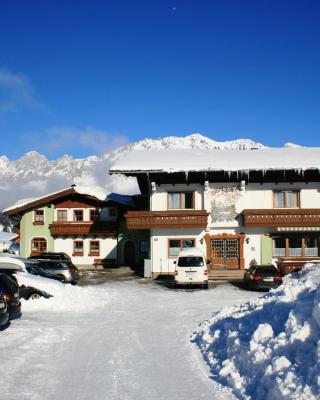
(38, 239)
(287, 248)
(75, 252)
(35, 221)
(74, 215)
(181, 247)
(65, 211)
(94, 253)
(181, 192)
(96, 213)
(285, 191)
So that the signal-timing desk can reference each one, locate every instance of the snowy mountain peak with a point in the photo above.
(33, 175)
(291, 145)
(193, 141)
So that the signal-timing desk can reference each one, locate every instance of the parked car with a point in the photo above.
(64, 270)
(191, 268)
(14, 248)
(34, 268)
(29, 292)
(4, 315)
(9, 288)
(50, 255)
(262, 277)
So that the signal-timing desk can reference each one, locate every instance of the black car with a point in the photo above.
(29, 292)
(4, 315)
(262, 277)
(10, 290)
(50, 255)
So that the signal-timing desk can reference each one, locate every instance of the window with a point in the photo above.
(279, 246)
(78, 215)
(181, 200)
(38, 245)
(38, 217)
(176, 245)
(78, 248)
(94, 248)
(144, 246)
(94, 215)
(62, 215)
(190, 262)
(286, 199)
(296, 246)
(112, 212)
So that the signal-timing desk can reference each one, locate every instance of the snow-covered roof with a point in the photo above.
(7, 236)
(96, 192)
(178, 160)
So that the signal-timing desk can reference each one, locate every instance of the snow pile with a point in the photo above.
(66, 297)
(268, 348)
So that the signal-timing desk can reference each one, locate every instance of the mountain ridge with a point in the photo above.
(33, 175)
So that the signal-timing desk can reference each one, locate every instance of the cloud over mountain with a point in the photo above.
(33, 175)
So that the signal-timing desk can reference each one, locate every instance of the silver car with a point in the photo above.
(64, 270)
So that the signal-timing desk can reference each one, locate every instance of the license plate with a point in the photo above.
(267, 279)
(191, 273)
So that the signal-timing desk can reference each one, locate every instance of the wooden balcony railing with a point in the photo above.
(304, 217)
(167, 219)
(83, 228)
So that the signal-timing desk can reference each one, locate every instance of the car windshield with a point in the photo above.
(190, 262)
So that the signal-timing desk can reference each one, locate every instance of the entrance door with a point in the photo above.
(225, 253)
(129, 253)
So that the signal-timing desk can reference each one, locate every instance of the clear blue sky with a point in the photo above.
(81, 76)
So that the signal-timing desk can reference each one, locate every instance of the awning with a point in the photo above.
(299, 229)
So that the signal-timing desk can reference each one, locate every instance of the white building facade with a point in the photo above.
(237, 215)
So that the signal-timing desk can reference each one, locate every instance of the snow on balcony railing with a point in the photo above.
(295, 252)
(279, 252)
(311, 252)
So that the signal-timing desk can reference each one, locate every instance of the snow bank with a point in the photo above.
(66, 297)
(268, 348)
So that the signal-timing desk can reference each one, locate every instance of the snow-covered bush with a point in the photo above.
(269, 348)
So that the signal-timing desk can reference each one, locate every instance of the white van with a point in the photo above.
(191, 268)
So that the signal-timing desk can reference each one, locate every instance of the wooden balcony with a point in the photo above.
(83, 228)
(304, 217)
(167, 219)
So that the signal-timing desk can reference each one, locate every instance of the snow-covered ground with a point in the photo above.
(122, 340)
(269, 348)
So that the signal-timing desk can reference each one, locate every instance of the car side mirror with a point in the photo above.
(174, 262)
(208, 262)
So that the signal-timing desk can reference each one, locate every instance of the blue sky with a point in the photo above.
(82, 77)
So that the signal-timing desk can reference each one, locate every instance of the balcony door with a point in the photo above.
(225, 251)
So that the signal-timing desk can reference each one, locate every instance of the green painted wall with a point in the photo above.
(29, 231)
(266, 249)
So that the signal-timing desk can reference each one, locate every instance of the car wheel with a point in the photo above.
(206, 285)
(62, 278)
(34, 295)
